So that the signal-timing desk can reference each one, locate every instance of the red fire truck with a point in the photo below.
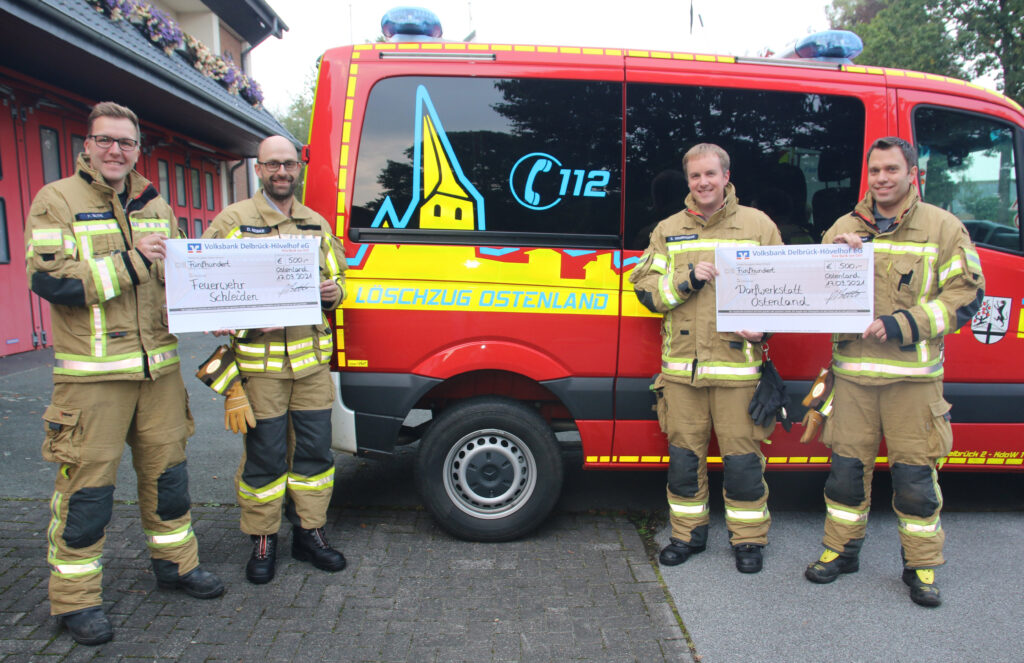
(493, 199)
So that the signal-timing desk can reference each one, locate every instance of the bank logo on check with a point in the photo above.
(195, 247)
(743, 255)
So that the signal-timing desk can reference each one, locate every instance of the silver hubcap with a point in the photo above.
(490, 474)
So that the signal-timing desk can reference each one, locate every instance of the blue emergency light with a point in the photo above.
(829, 46)
(410, 24)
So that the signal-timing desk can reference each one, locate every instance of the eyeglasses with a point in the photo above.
(274, 166)
(105, 142)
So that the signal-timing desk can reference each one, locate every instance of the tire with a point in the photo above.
(489, 469)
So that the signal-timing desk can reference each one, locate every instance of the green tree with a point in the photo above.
(903, 34)
(296, 117)
(990, 35)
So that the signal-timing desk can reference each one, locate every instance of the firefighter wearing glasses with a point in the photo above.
(279, 378)
(707, 378)
(95, 250)
(888, 380)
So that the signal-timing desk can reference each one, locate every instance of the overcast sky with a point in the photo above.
(730, 27)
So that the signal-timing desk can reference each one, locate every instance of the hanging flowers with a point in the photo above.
(158, 27)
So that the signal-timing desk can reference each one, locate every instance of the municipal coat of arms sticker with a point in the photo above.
(990, 323)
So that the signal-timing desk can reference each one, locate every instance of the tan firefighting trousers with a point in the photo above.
(287, 458)
(87, 425)
(914, 419)
(687, 415)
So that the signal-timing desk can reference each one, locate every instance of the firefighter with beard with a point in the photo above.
(888, 379)
(276, 379)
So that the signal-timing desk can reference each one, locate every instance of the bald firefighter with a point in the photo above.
(888, 380)
(277, 379)
(95, 252)
(707, 378)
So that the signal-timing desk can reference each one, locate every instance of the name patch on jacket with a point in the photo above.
(255, 230)
(307, 226)
(681, 238)
(94, 216)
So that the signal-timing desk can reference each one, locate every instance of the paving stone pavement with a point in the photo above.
(582, 588)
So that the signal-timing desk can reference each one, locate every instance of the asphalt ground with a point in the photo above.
(582, 588)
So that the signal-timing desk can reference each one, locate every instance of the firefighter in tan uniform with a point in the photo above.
(707, 378)
(95, 249)
(284, 374)
(888, 380)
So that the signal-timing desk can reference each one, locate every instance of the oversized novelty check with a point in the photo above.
(804, 288)
(242, 283)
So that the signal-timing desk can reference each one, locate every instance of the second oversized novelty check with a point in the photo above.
(804, 288)
(242, 283)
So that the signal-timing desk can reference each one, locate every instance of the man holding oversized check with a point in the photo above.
(273, 255)
(888, 373)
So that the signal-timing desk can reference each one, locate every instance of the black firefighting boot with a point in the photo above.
(198, 582)
(830, 565)
(923, 590)
(88, 626)
(260, 567)
(677, 552)
(310, 545)
(748, 557)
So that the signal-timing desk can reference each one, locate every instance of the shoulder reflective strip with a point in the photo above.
(317, 482)
(99, 330)
(64, 569)
(880, 368)
(847, 516)
(659, 264)
(690, 509)
(939, 316)
(272, 491)
(747, 515)
(233, 233)
(169, 539)
(161, 357)
(75, 365)
(47, 237)
(920, 528)
(221, 383)
(950, 269)
(668, 291)
(973, 262)
(677, 366)
(301, 344)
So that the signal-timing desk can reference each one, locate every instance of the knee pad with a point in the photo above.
(742, 478)
(683, 466)
(266, 451)
(845, 482)
(313, 453)
(172, 498)
(89, 511)
(914, 490)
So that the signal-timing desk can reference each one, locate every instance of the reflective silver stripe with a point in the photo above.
(950, 269)
(162, 357)
(882, 370)
(849, 516)
(973, 262)
(222, 382)
(668, 291)
(99, 331)
(920, 527)
(250, 365)
(303, 362)
(746, 371)
(270, 492)
(746, 514)
(311, 483)
(688, 509)
(276, 348)
(275, 364)
(72, 569)
(937, 312)
(94, 228)
(677, 366)
(99, 366)
(907, 248)
(659, 264)
(47, 237)
(301, 344)
(250, 349)
(169, 538)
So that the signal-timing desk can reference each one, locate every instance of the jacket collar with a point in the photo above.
(865, 209)
(273, 215)
(140, 190)
(725, 211)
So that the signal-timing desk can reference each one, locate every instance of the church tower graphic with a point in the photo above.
(443, 198)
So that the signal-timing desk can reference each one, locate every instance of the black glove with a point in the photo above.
(769, 402)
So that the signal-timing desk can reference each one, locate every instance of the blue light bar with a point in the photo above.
(410, 24)
(830, 46)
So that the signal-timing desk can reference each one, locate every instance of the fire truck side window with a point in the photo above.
(796, 156)
(967, 166)
(482, 155)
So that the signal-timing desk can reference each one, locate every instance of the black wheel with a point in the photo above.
(489, 469)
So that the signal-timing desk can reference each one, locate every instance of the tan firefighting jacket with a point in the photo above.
(293, 351)
(107, 301)
(693, 351)
(927, 277)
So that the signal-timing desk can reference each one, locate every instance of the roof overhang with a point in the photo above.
(68, 44)
(253, 20)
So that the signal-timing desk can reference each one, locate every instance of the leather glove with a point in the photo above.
(237, 411)
(812, 424)
(769, 402)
